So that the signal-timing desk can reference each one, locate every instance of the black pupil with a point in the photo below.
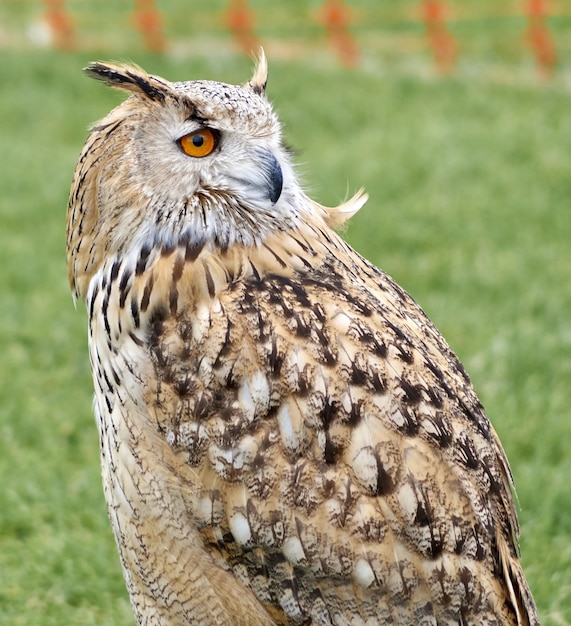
(198, 140)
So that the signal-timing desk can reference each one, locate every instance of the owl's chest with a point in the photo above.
(207, 376)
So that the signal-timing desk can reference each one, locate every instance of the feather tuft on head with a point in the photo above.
(259, 79)
(130, 78)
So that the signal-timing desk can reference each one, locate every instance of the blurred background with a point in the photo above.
(456, 118)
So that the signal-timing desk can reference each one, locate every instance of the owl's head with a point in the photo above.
(196, 162)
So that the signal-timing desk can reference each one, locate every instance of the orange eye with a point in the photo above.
(200, 143)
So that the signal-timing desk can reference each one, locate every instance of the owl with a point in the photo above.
(285, 437)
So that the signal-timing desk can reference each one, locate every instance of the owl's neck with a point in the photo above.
(129, 288)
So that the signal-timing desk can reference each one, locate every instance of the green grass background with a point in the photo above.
(469, 182)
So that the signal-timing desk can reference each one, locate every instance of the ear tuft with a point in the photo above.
(259, 80)
(129, 78)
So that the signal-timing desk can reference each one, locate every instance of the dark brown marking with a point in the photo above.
(385, 483)
(104, 310)
(209, 281)
(111, 127)
(177, 268)
(476, 415)
(469, 456)
(363, 308)
(356, 415)
(296, 288)
(412, 393)
(142, 260)
(328, 355)
(398, 332)
(358, 376)
(424, 611)
(319, 313)
(460, 538)
(441, 575)
(193, 249)
(264, 328)
(275, 255)
(379, 385)
(434, 396)
(226, 346)
(114, 271)
(183, 386)
(94, 295)
(495, 486)
(147, 293)
(255, 272)
(465, 577)
(107, 381)
(303, 383)
(404, 354)
(410, 427)
(379, 349)
(304, 245)
(135, 312)
(480, 549)
(329, 412)
(156, 326)
(328, 279)
(124, 288)
(303, 329)
(184, 329)
(422, 516)
(435, 370)
(115, 377)
(276, 358)
(349, 503)
(167, 249)
(442, 436)
(135, 339)
(173, 299)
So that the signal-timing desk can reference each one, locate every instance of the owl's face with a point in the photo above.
(200, 162)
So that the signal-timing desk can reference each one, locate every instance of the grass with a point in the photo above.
(469, 184)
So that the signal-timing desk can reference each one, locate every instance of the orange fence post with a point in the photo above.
(240, 21)
(148, 20)
(539, 37)
(440, 40)
(60, 24)
(336, 18)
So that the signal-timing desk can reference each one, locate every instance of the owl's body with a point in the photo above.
(285, 437)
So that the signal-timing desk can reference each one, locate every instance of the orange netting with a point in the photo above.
(335, 16)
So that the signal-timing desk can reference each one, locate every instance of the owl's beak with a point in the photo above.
(260, 177)
(272, 175)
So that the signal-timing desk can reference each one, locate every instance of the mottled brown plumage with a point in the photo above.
(285, 437)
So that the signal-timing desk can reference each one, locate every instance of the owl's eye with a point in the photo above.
(200, 143)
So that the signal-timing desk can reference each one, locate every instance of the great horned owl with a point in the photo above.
(285, 437)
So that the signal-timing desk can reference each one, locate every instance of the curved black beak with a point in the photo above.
(273, 175)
